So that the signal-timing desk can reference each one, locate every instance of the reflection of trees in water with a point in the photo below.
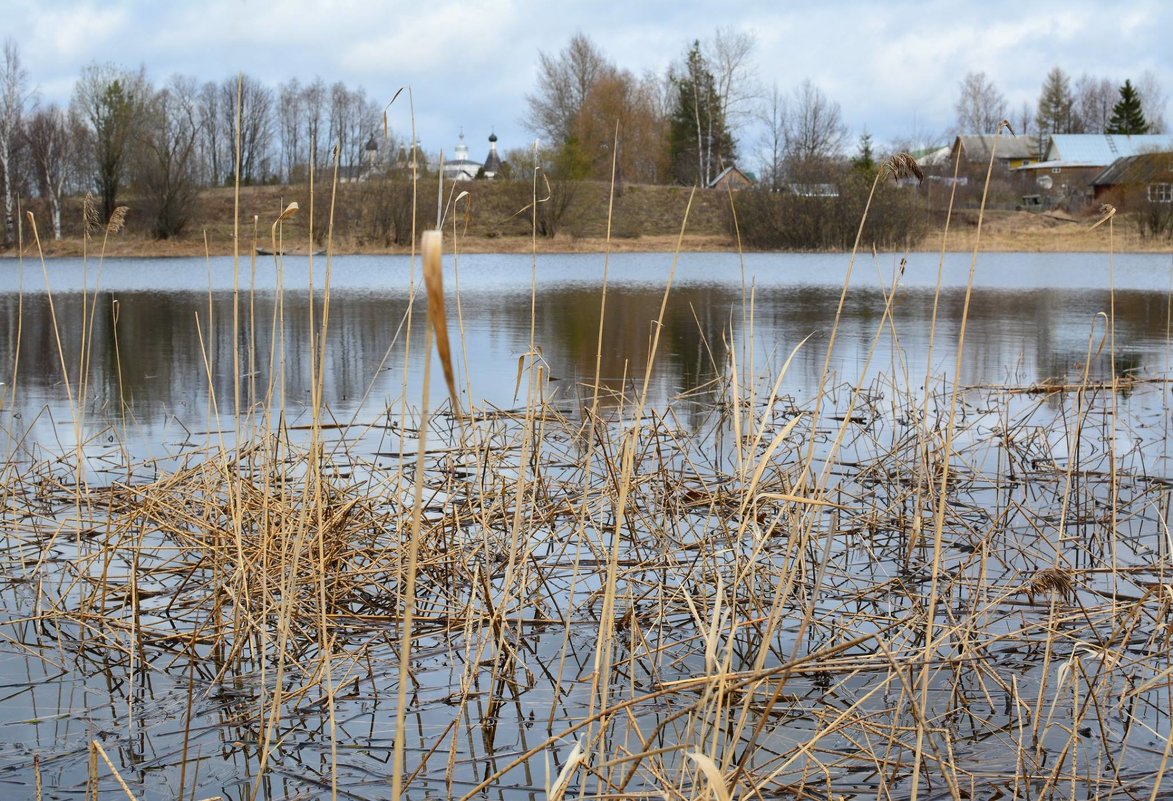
(1012, 337)
(158, 355)
(692, 345)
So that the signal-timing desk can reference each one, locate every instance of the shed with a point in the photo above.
(731, 179)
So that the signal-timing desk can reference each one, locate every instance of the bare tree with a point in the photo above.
(813, 129)
(1152, 100)
(353, 118)
(289, 126)
(563, 83)
(1025, 120)
(109, 102)
(980, 106)
(729, 57)
(246, 105)
(1094, 99)
(13, 96)
(341, 124)
(214, 150)
(620, 98)
(313, 104)
(772, 114)
(51, 146)
(167, 169)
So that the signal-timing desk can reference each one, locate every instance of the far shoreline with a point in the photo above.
(965, 241)
(1001, 232)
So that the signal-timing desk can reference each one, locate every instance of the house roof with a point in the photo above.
(729, 172)
(932, 157)
(1144, 168)
(1011, 146)
(1102, 149)
(1039, 166)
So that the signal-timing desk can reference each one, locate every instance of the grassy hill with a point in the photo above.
(376, 217)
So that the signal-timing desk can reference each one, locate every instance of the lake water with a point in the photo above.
(1030, 319)
(177, 351)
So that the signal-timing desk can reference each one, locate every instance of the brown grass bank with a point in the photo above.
(498, 217)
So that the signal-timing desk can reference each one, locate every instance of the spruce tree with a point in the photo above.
(1127, 115)
(865, 160)
(698, 139)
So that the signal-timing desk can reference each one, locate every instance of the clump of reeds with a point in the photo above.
(829, 596)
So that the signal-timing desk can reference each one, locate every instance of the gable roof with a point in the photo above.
(731, 173)
(1011, 146)
(1100, 150)
(1144, 168)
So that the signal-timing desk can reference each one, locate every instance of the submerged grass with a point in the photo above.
(885, 591)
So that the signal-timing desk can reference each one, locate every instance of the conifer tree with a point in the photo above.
(1055, 113)
(1127, 115)
(698, 138)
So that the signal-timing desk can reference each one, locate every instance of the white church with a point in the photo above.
(463, 168)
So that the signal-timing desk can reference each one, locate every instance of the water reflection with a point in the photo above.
(153, 353)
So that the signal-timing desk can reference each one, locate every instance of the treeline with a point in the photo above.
(684, 126)
(162, 142)
(124, 134)
(1087, 105)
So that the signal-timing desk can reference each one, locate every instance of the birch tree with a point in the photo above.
(980, 106)
(13, 96)
(52, 149)
(109, 101)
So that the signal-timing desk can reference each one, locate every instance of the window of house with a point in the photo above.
(1161, 193)
(1056, 170)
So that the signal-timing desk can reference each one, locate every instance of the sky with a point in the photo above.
(892, 66)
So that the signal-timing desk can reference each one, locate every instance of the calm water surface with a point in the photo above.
(162, 330)
(177, 347)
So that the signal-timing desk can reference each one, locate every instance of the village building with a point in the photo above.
(1073, 162)
(731, 179)
(463, 168)
(1010, 152)
(492, 166)
(1143, 178)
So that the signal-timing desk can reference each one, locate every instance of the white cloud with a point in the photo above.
(891, 66)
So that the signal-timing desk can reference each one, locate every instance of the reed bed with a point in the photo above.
(777, 635)
(880, 591)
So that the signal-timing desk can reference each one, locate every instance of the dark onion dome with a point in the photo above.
(372, 144)
(492, 161)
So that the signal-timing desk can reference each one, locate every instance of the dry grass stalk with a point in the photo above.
(558, 789)
(1051, 581)
(903, 165)
(91, 220)
(117, 220)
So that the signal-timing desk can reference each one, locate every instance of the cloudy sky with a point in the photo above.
(893, 66)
